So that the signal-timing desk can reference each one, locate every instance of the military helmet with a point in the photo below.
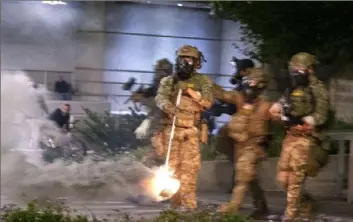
(188, 50)
(163, 64)
(303, 59)
(191, 51)
(259, 75)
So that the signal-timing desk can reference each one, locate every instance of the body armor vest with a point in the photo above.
(248, 124)
(302, 102)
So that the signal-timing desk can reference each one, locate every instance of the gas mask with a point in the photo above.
(250, 91)
(299, 78)
(184, 68)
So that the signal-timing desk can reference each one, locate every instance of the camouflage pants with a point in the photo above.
(158, 143)
(301, 156)
(185, 160)
(246, 161)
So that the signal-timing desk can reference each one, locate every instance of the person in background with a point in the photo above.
(61, 116)
(63, 89)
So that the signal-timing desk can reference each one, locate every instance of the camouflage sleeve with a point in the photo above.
(231, 97)
(322, 104)
(206, 100)
(164, 93)
(217, 91)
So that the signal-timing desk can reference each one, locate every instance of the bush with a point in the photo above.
(110, 133)
(33, 213)
(114, 134)
(59, 213)
(198, 216)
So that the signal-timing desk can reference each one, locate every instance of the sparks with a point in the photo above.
(162, 185)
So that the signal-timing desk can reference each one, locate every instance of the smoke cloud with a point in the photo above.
(25, 176)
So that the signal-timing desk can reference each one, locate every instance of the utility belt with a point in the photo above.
(188, 123)
(185, 120)
(255, 140)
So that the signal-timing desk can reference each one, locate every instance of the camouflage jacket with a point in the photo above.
(154, 114)
(311, 101)
(189, 110)
(250, 123)
(311, 104)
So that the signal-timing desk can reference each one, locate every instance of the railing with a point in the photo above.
(46, 77)
(341, 137)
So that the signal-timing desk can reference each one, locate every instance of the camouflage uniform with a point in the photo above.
(302, 153)
(224, 143)
(248, 128)
(185, 157)
(162, 68)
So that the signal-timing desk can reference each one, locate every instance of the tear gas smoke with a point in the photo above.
(25, 176)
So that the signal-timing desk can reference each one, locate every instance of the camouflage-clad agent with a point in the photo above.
(306, 109)
(185, 157)
(163, 68)
(249, 129)
(224, 143)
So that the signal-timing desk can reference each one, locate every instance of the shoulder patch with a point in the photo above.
(297, 93)
(190, 85)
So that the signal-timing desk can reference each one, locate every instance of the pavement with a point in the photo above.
(334, 210)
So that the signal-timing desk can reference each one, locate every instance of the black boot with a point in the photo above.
(260, 212)
(259, 202)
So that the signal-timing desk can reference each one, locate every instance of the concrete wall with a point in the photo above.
(100, 41)
(37, 36)
(217, 176)
(164, 29)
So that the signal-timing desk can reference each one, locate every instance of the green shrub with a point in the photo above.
(198, 216)
(110, 133)
(33, 212)
(114, 134)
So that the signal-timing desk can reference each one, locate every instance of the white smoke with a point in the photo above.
(25, 176)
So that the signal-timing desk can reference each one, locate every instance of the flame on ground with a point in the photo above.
(162, 185)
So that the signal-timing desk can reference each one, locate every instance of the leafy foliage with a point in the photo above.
(280, 29)
(198, 216)
(33, 213)
(60, 213)
(110, 133)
